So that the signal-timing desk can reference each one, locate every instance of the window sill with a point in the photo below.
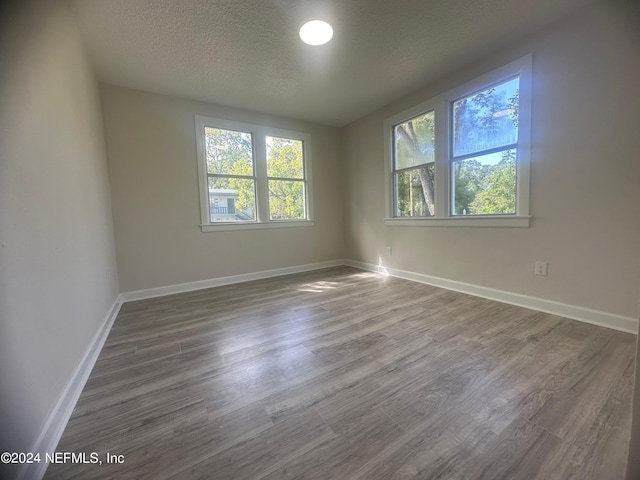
(484, 221)
(224, 227)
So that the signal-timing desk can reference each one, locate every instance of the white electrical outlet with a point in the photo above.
(541, 269)
(388, 249)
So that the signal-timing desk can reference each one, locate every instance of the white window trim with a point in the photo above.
(441, 105)
(259, 134)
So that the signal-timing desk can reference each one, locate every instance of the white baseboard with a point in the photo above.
(50, 434)
(217, 282)
(587, 315)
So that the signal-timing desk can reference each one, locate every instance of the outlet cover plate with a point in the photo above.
(541, 269)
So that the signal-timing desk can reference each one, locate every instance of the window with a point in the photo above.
(252, 176)
(285, 178)
(414, 166)
(231, 178)
(462, 158)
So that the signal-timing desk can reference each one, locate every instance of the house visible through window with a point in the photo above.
(230, 175)
(252, 176)
(463, 157)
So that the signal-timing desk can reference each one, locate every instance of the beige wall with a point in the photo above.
(151, 147)
(585, 174)
(56, 235)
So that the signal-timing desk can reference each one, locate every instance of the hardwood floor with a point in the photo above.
(345, 374)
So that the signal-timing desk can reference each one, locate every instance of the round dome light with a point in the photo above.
(316, 32)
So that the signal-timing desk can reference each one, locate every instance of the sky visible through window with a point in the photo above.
(486, 119)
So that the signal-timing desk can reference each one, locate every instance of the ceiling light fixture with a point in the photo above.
(316, 32)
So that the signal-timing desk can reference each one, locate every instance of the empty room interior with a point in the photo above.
(278, 239)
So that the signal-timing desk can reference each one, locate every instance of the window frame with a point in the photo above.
(259, 133)
(441, 105)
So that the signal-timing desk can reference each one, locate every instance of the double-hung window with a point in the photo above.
(252, 176)
(462, 158)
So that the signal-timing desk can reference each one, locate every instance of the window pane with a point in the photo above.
(415, 192)
(486, 120)
(485, 185)
(232, 200)
(228, 152)
(414, 141)
(286, 200)
(284, 158)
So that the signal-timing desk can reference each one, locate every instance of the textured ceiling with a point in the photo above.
(247, 54)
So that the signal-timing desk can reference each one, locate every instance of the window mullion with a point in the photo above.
(414, 167)
(489, 151)
(262, 189)
(286, 179)
(224, 175)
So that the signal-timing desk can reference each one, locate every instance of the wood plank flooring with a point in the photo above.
(345, 374)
